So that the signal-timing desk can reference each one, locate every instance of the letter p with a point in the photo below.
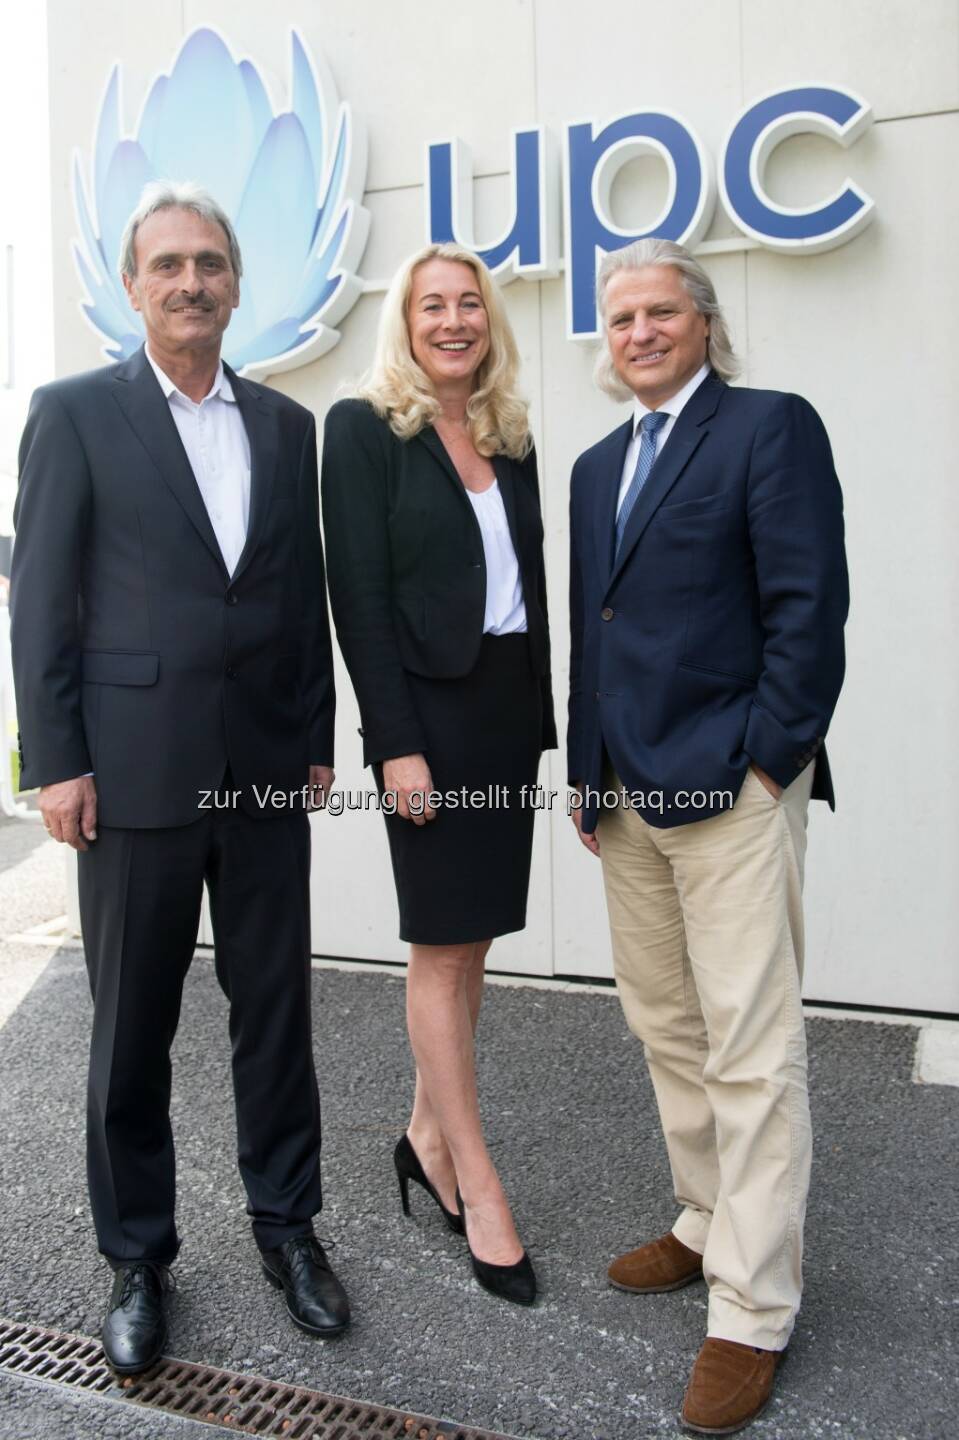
(592, 163)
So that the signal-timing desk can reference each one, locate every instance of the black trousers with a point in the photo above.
(140, 897)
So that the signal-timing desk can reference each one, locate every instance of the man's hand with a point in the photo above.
(590, 841)
(409, 778)
(69, 811)
(767, 781)
(321, 783)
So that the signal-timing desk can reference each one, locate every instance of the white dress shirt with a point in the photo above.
(505, 611)
(218, 449)
(671, 408)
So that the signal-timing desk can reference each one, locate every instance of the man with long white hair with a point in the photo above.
(708, 597)
(174, 674)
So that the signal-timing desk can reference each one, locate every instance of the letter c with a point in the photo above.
(809, 109)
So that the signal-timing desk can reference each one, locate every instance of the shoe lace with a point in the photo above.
(145, 1277)
(305, 1250)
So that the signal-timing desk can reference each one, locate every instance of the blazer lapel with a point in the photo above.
(503, 467)
(687, 435)
(503, 470)
(260, 422)
(145, 406)
(437, 449)
(610, 462)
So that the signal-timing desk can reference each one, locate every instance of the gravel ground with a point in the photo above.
(573, 1128)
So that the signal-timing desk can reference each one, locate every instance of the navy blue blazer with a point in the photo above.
(715, 638)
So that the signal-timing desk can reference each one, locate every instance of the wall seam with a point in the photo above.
(545, 501)
(916, 115)
(746, 351)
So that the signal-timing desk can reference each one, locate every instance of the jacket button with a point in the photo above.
(230, 672)
(606, 614)
(231, 598)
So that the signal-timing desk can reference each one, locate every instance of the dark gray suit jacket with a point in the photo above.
(135, 654)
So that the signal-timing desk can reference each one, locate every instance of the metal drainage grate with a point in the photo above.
(243, 1403)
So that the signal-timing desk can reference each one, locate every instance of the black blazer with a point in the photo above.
(135, 654)
(407, 572)
(716, 636)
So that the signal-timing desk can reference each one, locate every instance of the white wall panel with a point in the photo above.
(865, 332)
(901, 56)
(629, 55)
(26, 256)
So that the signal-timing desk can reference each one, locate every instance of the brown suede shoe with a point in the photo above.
(729, 1386)
(663, 1264)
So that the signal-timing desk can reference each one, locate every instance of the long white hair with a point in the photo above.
(719, 350)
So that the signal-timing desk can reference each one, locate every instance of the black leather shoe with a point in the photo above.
(134, 1331)
(314, 1297)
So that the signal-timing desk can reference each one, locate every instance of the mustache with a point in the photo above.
(180, 302)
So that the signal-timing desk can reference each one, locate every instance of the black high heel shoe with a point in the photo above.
(509, 1282)
(408, 1168)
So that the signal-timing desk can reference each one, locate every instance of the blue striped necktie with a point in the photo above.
(650, 425)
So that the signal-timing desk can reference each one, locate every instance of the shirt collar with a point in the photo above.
(221, 387)
(675, 403)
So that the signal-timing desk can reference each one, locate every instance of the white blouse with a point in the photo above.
(505, 611)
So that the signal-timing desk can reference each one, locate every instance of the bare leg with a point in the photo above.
(444, 988)
(424, 1131)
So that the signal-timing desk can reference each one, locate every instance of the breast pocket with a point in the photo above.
(702, 506)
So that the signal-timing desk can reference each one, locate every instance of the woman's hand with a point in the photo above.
(409, 779)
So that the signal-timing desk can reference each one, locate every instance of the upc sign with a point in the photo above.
(529, 247)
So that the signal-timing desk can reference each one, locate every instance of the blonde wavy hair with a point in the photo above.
(400, 391)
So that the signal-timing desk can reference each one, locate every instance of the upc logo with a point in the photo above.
(211, 121)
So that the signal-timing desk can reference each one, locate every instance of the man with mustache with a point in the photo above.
(171, 649)
(708, 594)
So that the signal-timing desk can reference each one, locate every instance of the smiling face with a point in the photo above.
(657, 337)
(185, 287)
(448, 324)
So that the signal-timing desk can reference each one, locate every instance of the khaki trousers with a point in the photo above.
(707, 931)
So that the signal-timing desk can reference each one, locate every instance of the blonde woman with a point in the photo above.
(435, 562)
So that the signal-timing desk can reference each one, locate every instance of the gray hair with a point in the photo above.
(719, 349)
(176, 195)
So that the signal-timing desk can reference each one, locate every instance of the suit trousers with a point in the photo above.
(707, 932)
(140, 898)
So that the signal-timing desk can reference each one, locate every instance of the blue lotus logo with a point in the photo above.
(291, 182)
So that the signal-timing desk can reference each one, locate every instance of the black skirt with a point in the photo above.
(465, 875)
